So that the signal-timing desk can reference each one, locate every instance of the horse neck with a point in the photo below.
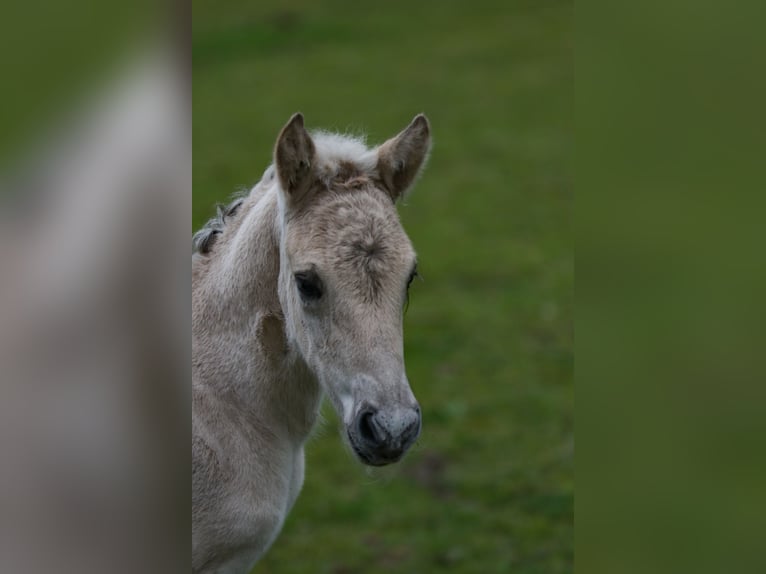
(245, 354)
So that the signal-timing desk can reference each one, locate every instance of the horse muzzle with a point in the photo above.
(380, 437)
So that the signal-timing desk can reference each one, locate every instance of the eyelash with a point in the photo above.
(409, 282)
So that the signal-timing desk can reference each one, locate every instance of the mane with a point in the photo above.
(204, 239)
(339, 158)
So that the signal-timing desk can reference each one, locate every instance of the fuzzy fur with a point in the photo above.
(263, 358)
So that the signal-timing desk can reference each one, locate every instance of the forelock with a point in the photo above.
(341, 158)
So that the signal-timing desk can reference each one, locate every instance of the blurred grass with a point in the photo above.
(489, 333)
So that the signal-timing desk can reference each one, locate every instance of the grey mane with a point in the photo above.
(204, 239)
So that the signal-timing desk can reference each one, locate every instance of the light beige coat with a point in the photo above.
(297, 291)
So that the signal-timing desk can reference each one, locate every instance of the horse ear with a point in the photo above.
(401, 158)
(293, 156)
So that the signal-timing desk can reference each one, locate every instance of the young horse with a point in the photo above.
(297, 290)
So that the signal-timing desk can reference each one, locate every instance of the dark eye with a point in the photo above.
(309, 286)
(409, 282)
(412, 277)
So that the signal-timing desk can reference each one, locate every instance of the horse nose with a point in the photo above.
(389, 433)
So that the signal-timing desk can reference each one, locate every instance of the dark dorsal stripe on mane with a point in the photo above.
(204, 239)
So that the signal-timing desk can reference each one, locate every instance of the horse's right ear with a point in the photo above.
(293, 157)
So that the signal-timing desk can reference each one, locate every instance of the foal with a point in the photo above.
(297, 291)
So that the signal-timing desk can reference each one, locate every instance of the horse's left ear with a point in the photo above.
(401, 158)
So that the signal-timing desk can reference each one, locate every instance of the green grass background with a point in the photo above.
(489, 332)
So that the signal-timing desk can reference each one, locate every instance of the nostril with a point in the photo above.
(413, 430)
(367, 428)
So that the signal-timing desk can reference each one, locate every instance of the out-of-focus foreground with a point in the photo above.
(489, 334)
(94, 294)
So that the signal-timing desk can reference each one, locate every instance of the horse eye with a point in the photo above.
(412, 277)
(309, 286)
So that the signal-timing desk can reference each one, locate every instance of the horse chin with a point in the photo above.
(366, 458)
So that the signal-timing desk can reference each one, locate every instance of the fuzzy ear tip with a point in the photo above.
(296, 119)
(421, 120)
